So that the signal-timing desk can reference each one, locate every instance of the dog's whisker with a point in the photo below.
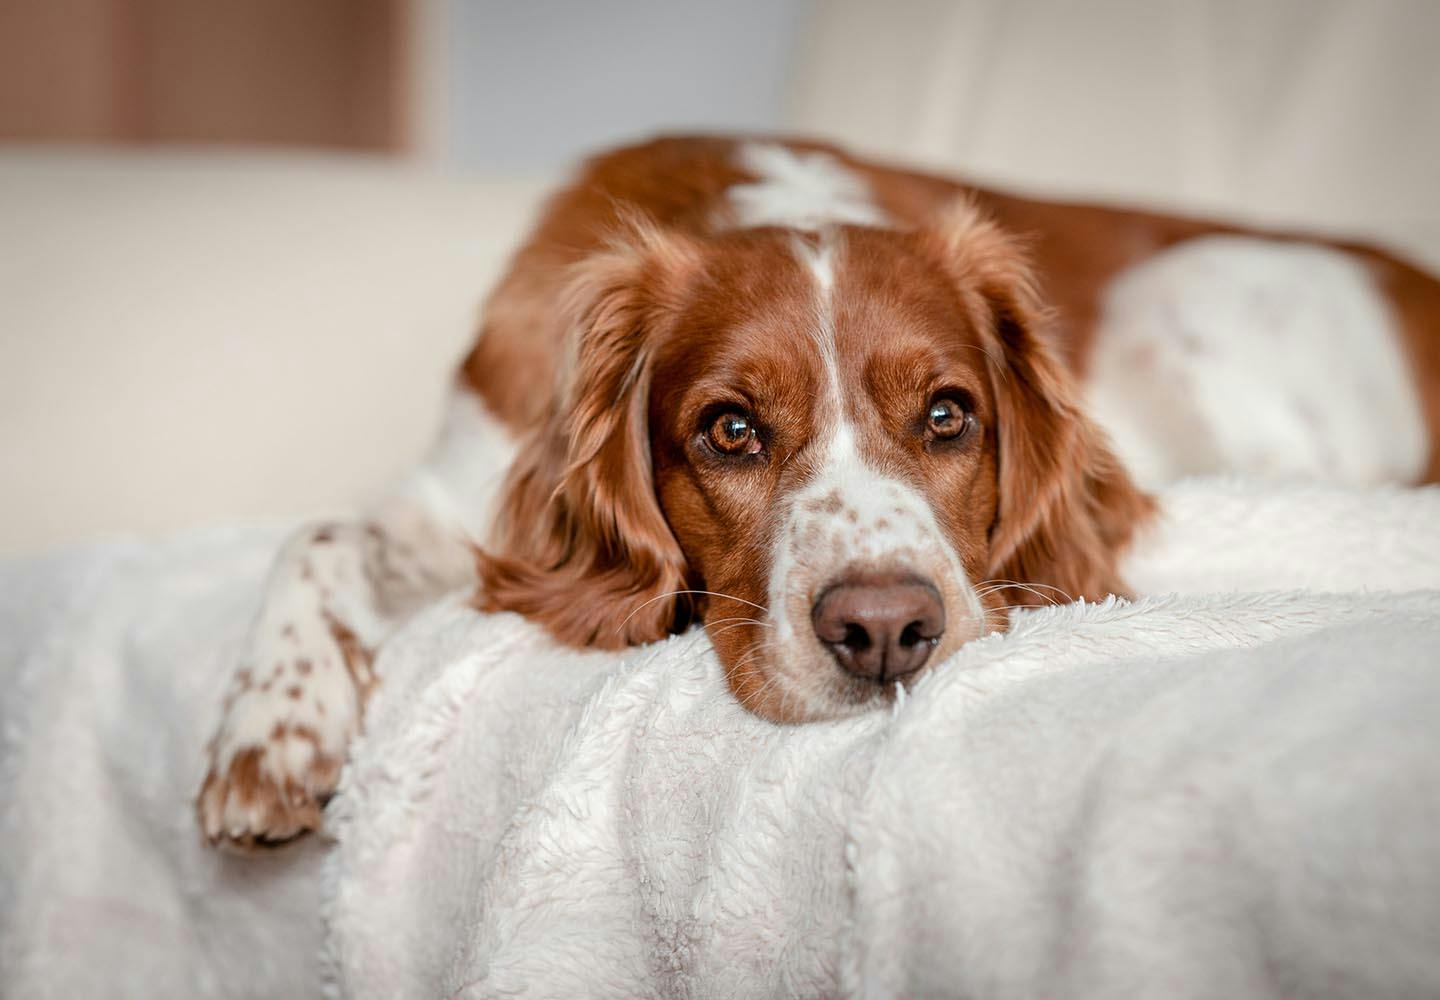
(681, 593)
(757, 696)
(740, 624)
(751, 654)
(999, 368)
(752, 651)
(738, 618)
(998, 584)
(1049, 601)
(991, 587)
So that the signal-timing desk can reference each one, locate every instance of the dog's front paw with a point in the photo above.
(261, 795)
(277, 756)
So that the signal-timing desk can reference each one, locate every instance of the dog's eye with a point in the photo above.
(948, 419)
(733, 433)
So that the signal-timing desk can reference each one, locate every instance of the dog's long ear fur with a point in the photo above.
(580, 543)
(1066, 508)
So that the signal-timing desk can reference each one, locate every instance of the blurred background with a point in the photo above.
(242, 242)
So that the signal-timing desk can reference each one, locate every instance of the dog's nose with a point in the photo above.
(880, 628)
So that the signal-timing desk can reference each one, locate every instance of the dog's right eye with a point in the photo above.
(733, 433)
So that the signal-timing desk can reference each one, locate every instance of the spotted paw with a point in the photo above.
(287, 725)
(265, 795)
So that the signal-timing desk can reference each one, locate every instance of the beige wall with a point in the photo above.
(1318, 112)
(188, 339)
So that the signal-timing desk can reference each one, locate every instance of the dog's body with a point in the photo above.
(820, 405)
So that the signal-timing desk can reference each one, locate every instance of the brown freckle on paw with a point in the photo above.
(278, 731)
(245, 769)
(279, 669)
(307, 734)
(324, 535)
(852, 516)
(319, 707)
(302, 667)
(243, 678)
(355, 656)
(293, 691)
(881, 524)
(288, 631)
(266, 686)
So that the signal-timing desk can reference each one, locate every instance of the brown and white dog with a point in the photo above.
(844, 415)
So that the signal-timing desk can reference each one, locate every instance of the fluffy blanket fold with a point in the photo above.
(1228, 791)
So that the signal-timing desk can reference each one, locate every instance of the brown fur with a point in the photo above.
(1067, 508)
(580, 543)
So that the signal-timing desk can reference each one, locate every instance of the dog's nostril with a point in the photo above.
(910, 635)
(856, 637)
(880, 628)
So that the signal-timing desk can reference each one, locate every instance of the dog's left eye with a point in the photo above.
(947, 418)
(733, 433)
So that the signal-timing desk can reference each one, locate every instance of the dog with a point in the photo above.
(845, 416)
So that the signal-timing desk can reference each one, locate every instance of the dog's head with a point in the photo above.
(848, 453)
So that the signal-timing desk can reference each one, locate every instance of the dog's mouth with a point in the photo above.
(866, 636)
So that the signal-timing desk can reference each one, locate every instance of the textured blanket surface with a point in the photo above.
(1209, 793)
(112, 660)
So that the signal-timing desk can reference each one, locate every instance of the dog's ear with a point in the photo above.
(580, 543)
(1066, 508)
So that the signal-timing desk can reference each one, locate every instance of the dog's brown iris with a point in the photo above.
(733, 434)
(947, 418)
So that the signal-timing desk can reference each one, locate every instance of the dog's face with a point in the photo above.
(847, 452)
(822, 426)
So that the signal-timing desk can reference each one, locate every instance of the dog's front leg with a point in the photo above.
(336, 592)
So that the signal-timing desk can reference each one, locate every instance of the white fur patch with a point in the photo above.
(805, 191)
(458, 485)
(820, 261)
(1241, 355)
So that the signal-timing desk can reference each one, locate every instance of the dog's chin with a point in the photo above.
(825, 695)
(799, 682)
(799, 685)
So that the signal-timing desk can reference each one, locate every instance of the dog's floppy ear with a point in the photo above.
(1066, 508)
(580, 543)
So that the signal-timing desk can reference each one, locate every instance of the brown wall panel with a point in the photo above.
(290, 72)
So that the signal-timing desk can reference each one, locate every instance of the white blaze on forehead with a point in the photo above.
(819, 259)
(804, 191)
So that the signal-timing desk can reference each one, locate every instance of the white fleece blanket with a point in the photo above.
(1230, 791)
